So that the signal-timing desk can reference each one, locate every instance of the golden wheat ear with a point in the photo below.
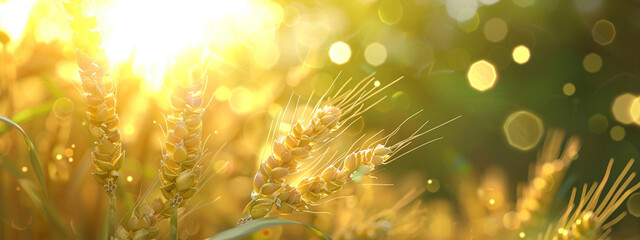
(303, 140)
(550, 166)
(400, 221)
(315, 186)
(180, 169)
(99, 93)
(143, 219)
(590, 219)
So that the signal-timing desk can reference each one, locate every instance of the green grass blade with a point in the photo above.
(255, 225)
(35, 160)
(28, 114)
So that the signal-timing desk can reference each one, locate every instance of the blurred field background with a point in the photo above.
(569, 65)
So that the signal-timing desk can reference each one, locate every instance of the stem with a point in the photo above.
(173, 229)
(111, 230)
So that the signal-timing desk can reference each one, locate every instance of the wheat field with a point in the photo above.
(349, 120)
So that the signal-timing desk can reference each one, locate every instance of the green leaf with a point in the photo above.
(35, 160)
(28, 114)
(255, 225)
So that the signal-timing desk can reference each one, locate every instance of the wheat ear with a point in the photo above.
(142, 223)
(550, 166)
(180, 168)
(99, 93)
(302, 140)
(314, 187)
(590, 219)
(399, 221)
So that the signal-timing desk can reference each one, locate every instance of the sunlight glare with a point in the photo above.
(151, 38)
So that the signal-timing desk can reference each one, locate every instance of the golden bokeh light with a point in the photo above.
(592, 62)
(292, 15)
(68, 152)
(390, 11)
(617, 133)
(462, 10)
(569, 89)
(24, 169)
(63, 107)
(241, 100)
(433, 185)
(129, 179)
(521, 54)
(598, 123)
(340, 53)
(621, 108)
(129, 129)
(375, 54)
(482, 75)
(633, 204)
(266, 55)
(635, 110)
(511, 220)
(523, 130)
(222, 93)
(470, 24)
(495, 30)
(604, 32)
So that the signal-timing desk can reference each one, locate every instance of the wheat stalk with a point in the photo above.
(99, 93)
(590, 219)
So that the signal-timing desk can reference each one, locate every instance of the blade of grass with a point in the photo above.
(28, 114)
(255, 225)
(35, 160)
